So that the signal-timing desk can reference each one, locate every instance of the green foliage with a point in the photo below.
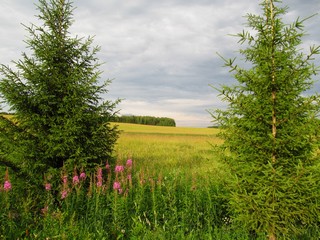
(271, 128)
(146, 120)
(159, 202)
(160, 206)
(60, 116)
(148, 207)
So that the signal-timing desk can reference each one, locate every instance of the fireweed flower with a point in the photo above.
(116, 186)
(45, 209)
(107, 166)
(82, 176)
(65, 179)
(99, 177)
(65, 188)
(129, 162)
(99, 172)
(64, 194)
(75, 180)
(7, 185)
(119, 168)
(48, 186)
(99, 184)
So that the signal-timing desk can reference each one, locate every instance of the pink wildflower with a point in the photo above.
(129, 177)
(99, 184)
(75, 180)
(65, 179)
(119, 168)
(129, 162)
(107, 166)
(116, 185)
(45, 209)
(48, 186)
(83, 176)
(64, 194)
(7, 185)
(99, 172)
(99, 177)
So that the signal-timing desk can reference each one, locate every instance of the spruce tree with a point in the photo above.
(270, 127)
(60, 118)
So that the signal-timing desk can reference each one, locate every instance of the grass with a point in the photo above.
(169, 149)
(164, 197)
(175, 189)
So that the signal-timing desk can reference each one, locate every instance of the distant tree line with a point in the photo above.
(6, 113)
(146, 120)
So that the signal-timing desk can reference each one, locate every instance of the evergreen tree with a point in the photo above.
(270, 127)
(60, 117)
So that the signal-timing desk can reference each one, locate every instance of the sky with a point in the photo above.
(161, 55)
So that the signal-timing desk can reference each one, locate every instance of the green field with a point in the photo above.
(175, 189)
(169, 149)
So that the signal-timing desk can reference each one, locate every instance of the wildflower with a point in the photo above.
(64, 194)
(99, 184)
(82, 176)
(7, 185)
(116, 186)
(119, 168)
(120, 190)
(99, 177)
(65, 179)
(129, 177)
(75, 180)
(129, 162)
(99, 172)
(45, 209)
(48, 186)
(107, 166)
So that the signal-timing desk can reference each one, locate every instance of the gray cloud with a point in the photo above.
(161, 54)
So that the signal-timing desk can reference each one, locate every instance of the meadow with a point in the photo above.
(170, 149)
(167, 183)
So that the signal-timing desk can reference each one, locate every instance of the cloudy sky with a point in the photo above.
(161, 54)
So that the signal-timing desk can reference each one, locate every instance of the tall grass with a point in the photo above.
(167, 184)
(142, 206)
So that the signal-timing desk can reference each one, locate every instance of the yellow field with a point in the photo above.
(169, 149)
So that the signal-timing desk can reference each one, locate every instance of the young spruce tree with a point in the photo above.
(60, 118)
(271, 128)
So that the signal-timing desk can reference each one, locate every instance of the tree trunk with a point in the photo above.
(272, 236)
(273, 79)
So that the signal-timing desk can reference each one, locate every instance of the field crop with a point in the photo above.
(170, 149)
